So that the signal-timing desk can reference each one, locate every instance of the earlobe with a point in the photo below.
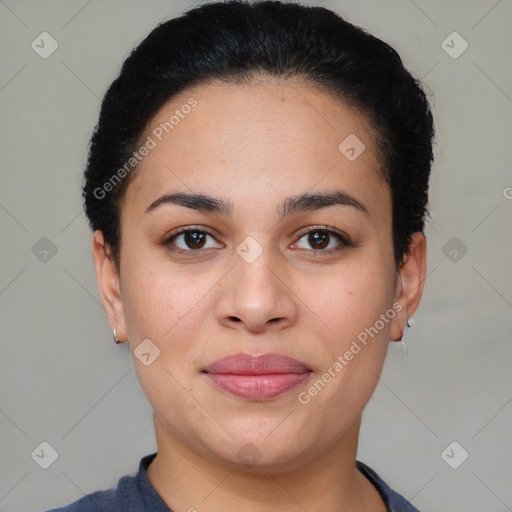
(411, 278)
(109, 286)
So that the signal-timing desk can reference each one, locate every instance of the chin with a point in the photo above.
(261, 454)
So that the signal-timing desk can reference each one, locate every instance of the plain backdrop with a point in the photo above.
(64, 382)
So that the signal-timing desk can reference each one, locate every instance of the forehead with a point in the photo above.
(263, 139)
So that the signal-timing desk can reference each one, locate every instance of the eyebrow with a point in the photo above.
(291, 205)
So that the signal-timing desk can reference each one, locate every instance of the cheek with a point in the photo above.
(164, 306)
(151, 306)
(169, 306)
(348, 300)
(156, 296)
(352, 308)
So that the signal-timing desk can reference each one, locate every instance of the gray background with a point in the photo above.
(63, 380)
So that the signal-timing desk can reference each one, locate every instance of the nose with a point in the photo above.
(257, 296)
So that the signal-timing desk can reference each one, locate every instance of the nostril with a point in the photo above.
(235, 319)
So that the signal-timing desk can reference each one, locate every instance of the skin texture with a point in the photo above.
(255, 145)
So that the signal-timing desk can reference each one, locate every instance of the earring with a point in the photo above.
(114, 335)
(408, 325)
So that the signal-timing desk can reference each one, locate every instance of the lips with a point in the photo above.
(257, 377)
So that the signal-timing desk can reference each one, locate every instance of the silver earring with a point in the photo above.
(114, 335)
(408, 325)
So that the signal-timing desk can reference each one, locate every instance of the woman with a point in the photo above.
(257, 187)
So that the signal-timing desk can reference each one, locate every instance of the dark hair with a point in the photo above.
(234, 41)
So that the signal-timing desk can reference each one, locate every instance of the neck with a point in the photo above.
(330, 481)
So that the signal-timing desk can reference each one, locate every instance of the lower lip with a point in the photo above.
(257, 387)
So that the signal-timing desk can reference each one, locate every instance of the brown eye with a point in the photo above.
(190, 240)
(319, 239)
(323, 240)
(194, 239)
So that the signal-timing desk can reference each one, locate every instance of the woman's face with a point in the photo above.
(297, 261)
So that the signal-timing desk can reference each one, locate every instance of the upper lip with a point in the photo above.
(262, 364)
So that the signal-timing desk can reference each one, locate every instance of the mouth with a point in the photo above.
(257, 377)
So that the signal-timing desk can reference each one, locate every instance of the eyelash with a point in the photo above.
(343, 239)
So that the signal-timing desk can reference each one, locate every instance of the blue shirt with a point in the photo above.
(136, 494)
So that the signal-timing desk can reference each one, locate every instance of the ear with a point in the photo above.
(109, 285)
(409, 288)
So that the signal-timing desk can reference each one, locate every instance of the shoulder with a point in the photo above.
(98, 501)
(394, 502)
(132, 492)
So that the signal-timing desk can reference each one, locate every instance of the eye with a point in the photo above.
(190, 239)
(322, 239)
